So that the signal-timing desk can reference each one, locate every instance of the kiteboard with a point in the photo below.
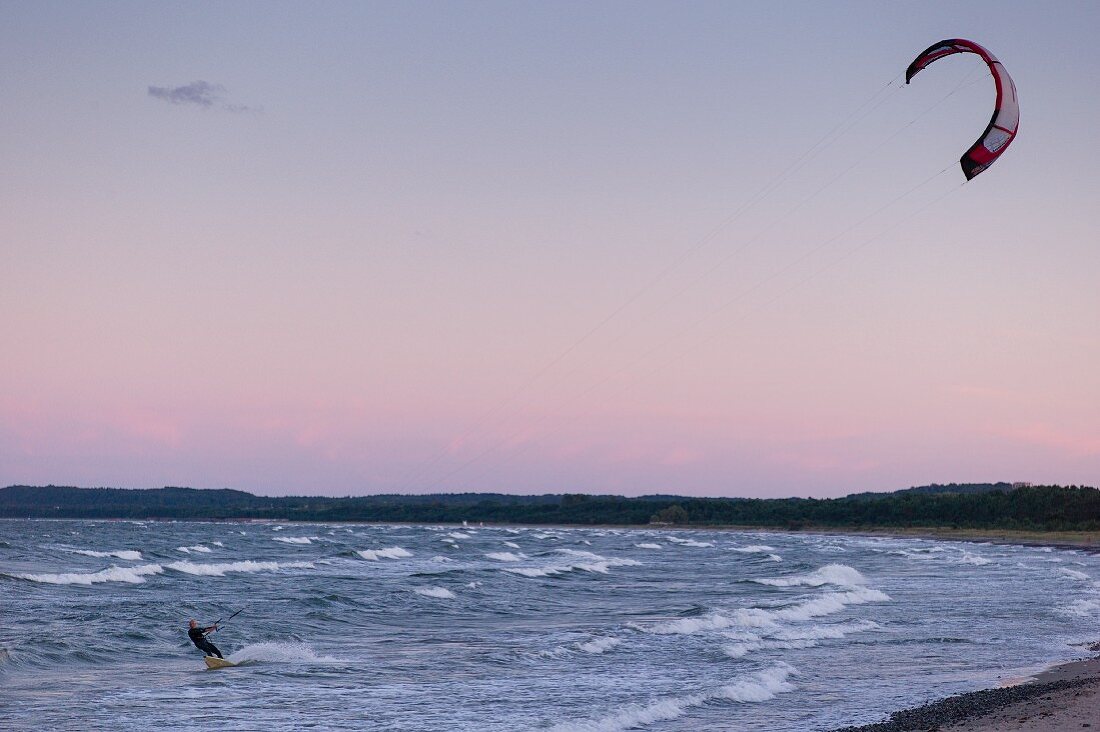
(213, 662)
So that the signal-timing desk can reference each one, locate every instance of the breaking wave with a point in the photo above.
(132, 575)
(506, 556)
(393, 552)
(219, 570)
(295, 539)
(439, 592)
(132, 556)
(755, 687)
(831, 574)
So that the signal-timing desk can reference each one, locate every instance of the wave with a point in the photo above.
(1082, 608)
(826, 604)
(439, 592)
(459, 535)
(511, 544)
(393, 552)
(219, 570)
(294, 539)
(831, 574)
(592, 563)
(968, 558)
(506, 556)
(599, 645)
(755, 687)
(648, 546)
(130, 575)
(689, 542)
(197, 548)
(758, 549)
(133, 556)
(1074, 574)
(785, 638)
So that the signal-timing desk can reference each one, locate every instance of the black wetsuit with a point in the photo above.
(197, 637)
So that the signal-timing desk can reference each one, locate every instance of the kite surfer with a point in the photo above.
(198, 637)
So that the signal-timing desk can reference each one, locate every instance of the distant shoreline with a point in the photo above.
(1072, 540)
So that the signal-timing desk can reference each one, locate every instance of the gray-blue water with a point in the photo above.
(363, 627)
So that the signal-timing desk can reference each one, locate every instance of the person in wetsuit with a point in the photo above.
(198, 637)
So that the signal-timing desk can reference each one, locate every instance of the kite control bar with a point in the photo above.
(219, 620)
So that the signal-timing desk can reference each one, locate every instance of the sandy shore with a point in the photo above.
(1065, 697)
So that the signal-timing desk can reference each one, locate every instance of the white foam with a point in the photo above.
(130, 575)
(295, 539)
(968, 558)
(1073, 573)
(506, 556)
(393, 552)
(755, 687)
(648, 546)
(278, 652)
(1082, 608)
(831, 574)
(217, 543)
(197, 548)
(219, 570)
(825, 604)
(688, 542)
(753, 549)
(599, 645)
(591, 563)
(127, 554)
(511, 544)
(458, 535)
(440, 592)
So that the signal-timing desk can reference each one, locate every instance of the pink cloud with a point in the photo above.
(1076, 444)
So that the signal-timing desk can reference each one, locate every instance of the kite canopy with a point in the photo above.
(1006, 115)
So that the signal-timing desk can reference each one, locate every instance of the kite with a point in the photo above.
(1006, 114)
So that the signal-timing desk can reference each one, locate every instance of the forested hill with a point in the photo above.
(989, 505)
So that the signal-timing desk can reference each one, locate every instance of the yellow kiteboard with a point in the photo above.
(213, 662)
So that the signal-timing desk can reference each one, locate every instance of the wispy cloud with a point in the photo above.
(200, 93)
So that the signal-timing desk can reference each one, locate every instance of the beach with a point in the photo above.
(1064, 697)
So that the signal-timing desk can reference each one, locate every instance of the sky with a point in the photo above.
(708, 248)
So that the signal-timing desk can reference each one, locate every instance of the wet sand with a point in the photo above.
(1065, 697)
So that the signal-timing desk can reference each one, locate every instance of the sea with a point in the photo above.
(505, 628)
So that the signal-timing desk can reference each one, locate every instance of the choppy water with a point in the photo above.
(364, 627)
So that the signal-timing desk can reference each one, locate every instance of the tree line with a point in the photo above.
(963, 506)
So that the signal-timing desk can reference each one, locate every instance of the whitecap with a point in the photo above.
(511, 544)
(393, 552)
(830, 574)
(755, 687)
(968, 558)
(648, 546)
(197, 548)
(1074, 574)
(599, 645)
(133, 556)
(825, 604)
(130, 575)
(441, 593)
(689, 542)
(219, 570)
(458, 535)
(506, 556)
(753, 549)
(295, 539)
